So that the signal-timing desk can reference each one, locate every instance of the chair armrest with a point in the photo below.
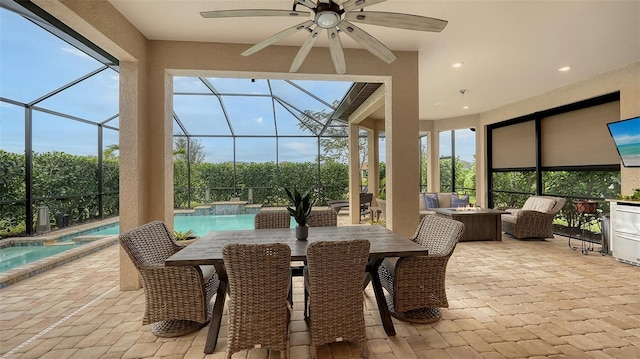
(418, 282)
(534, 219)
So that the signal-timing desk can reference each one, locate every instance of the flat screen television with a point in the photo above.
(626, 136)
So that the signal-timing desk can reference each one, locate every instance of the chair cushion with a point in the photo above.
(207, 271)
(389, 264)
(540, 204)
(509, 218)
(431, 200)
(444, 199)
(459, 201)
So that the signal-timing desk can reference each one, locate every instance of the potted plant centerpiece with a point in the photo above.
(301, 211)
(184, 238)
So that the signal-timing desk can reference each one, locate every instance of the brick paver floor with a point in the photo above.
(509, 299)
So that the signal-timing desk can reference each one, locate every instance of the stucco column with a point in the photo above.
(131, 160)
(354, 173)
(403, 163)
(629, 107)
(373, 176)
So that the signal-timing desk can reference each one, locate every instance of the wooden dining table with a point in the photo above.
(208, 251)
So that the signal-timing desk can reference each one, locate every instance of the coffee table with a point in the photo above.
(480, 224)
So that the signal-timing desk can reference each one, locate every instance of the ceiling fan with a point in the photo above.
(335, 16)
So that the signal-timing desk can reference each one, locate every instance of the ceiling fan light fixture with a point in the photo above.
(327, 19)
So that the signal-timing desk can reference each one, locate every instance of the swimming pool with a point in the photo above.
(200, 225)
(11, 257)
(16, 256)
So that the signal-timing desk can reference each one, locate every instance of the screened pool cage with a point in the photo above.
(232, 137)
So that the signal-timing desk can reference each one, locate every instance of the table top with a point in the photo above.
(458, 211)
(208, 249)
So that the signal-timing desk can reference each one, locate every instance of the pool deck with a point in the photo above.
(507, 299)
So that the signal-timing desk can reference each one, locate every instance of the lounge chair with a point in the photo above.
(365, 203)
(534, 219)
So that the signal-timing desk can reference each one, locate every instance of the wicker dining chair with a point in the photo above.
(323, 218)
(333, 292)
(272, 219)
(416, 285)
(177, 299)
(259, 279)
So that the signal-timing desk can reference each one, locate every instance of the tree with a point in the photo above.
(334, 140)
(196, 149)
(109, 151)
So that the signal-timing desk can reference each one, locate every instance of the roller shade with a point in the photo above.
(514, 146)
(580, 137)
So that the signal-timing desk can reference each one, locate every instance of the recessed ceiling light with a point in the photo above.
(456, 65)
(564, 68)
(465, 107)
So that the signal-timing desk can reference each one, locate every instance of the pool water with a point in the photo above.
(200, 225)
(12, 257)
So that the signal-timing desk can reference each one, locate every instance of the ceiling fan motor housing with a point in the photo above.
(328, 15)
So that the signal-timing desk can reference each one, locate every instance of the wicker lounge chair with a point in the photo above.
(177, 299)
(534, 219)
(259, 279)
(272, 219)
(333, 287)
(416, 285)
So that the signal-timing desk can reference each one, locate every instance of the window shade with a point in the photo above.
(514, 146)
(580, 137)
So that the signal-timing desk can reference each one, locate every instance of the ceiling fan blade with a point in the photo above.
(252, 12)
(274, 38)
(337, 54)
(358, 4)
(367, 41)
(400, 21)
(308, 3)
(304, 49)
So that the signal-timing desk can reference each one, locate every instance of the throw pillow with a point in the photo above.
(431, 200)
(459, 201)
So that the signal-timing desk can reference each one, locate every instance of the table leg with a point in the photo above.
(385, 316)
(216, 316)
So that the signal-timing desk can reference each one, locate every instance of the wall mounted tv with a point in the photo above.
(626, 136)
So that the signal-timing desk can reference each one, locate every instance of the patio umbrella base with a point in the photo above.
(423, 315)
(175, 328)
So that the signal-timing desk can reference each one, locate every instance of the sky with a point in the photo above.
(35, 63)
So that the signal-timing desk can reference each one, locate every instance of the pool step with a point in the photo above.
(65, 243)
(90, 238)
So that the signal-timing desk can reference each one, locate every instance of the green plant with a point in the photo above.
(383, 189)
(635, 196)
(183, 236)
(302, 206)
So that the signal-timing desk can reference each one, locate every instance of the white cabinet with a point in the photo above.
(625, 232)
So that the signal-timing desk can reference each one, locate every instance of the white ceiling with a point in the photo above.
(511, 50)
